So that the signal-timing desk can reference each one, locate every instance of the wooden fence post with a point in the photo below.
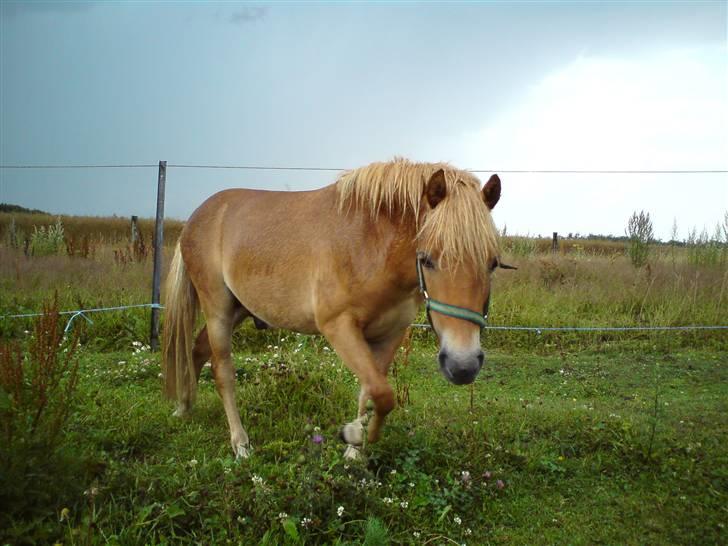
(555, 243)
(158, 252)
(134, 229)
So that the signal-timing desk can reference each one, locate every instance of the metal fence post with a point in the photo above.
(158, 252)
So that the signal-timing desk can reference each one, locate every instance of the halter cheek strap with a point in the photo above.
(445, 308)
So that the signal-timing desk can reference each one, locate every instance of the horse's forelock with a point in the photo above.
(460, 228)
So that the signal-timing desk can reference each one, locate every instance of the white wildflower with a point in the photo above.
(340, 511)
(457, 520)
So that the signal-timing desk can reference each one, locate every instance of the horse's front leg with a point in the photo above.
(383, 351)
(370, 363)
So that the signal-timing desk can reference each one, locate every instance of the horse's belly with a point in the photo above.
(303, 323)
(277, 305)
(288, 318)
(392, 320)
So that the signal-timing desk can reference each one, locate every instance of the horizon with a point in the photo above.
(721, 238)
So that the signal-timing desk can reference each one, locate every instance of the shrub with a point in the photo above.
(640, 233)
(48, 240)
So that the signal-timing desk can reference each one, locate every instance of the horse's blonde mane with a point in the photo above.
(460, 227)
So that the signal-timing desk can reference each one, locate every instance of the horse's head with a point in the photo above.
(457, 252)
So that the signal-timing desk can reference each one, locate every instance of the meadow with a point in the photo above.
(566, 437)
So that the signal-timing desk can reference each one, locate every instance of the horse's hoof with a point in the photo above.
(181, 412)
(353, 433)
(353, 453)
(242, 452)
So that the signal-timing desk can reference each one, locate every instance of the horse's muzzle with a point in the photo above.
(460, 370)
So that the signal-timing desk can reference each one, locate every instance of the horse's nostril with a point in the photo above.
(442, 357)
(481, 357)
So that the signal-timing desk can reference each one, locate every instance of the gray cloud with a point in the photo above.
(248, 15)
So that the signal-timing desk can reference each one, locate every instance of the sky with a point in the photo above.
(483, 85)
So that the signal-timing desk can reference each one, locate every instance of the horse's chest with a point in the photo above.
(392, 319)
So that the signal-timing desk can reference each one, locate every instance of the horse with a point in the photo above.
(353, 261)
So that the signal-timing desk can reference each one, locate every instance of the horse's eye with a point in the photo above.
(427, 262)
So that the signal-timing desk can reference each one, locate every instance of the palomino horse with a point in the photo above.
(352, 261)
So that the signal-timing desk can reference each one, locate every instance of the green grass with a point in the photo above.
(611, 438)
(612, 446)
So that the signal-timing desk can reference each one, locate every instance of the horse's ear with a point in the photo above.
(491, 191)
(436, 188)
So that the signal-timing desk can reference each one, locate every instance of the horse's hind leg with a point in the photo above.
(201, 354)
(219, 334)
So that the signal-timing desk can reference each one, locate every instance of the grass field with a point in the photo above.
(613, 447)
(565, 438)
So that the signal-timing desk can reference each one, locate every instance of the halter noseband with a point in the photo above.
(445, 308)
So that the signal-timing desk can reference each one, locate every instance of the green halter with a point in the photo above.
(445, 308)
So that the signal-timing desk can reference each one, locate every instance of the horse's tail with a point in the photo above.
(180, 381)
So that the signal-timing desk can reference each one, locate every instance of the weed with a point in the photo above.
(706, 251)
(12, 235)
(83, 247)
(48, 240)
(37, 393)
(136, 252)
(640, 233)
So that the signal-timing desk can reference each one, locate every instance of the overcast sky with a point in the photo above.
(497, 86)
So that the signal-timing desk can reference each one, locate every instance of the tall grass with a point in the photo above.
(551, 290)
(101, 230)
(586, 283)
